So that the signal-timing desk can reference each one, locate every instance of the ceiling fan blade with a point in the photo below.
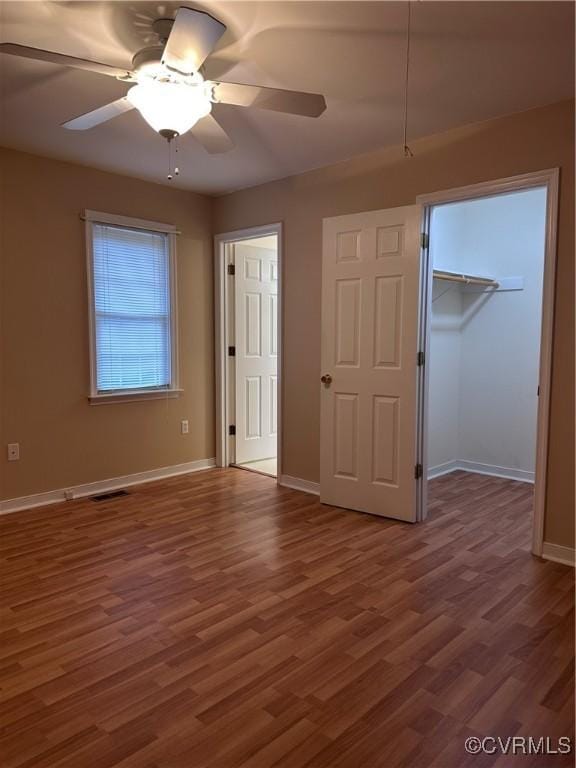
(100, 115)
(212, 136)
(192, 38)
(279, 100)
(60, 58)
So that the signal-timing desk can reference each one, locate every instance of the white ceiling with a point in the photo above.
(470, 61)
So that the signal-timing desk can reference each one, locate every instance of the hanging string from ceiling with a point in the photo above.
(407, 151)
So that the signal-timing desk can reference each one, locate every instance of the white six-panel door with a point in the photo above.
(256, 322)
(370, 290)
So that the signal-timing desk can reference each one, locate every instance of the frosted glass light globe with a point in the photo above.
(170, 107)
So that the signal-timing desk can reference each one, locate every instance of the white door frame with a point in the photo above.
(550, 180)
(221, 307)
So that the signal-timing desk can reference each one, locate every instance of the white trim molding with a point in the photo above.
(98, 217)
(97, 397)
(558, 554)
(133, 395)
(297, 484)
(443, 469)
(102, 486)
(222, 251)
(548, 178)
(509, 473)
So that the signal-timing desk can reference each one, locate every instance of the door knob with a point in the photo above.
(326, 379)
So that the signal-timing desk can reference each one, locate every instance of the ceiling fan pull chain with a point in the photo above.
(173, 169)
(169, 160)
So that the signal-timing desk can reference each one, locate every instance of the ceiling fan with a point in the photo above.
(167, 85)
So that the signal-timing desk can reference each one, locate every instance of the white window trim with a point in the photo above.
(130, 395)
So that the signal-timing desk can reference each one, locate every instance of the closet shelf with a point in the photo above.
(456, 277)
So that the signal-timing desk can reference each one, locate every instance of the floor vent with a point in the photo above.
(107, 496)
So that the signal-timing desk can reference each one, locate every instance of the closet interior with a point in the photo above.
(488, 265)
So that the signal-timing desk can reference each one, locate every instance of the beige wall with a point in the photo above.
(45, 366)
(530, 141)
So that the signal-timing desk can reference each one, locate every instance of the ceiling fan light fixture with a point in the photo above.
(170, 107)
(168, 88)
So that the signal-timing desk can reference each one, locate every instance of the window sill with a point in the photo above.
(133, 396)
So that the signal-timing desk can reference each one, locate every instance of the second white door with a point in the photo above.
(256, 324)
(370, 290)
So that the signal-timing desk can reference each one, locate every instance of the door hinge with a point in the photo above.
(231, 351)
(424, 240)
(538, 391)
(420, 357)
(232, 269)
(232, 429)
(418, 471)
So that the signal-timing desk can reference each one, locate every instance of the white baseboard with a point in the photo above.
(102, 486)
(558, 554)
(509, 473)
(299, 485)
(443, 469)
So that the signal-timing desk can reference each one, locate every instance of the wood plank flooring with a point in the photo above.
(218, 621)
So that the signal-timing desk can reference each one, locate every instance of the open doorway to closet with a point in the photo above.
(248, 278)
(487, 328)
(436, 352)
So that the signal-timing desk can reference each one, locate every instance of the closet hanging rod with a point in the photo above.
(456, 277)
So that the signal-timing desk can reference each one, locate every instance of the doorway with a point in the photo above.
(248, 349)
(488, 266)
(381, 304)
(486, 335)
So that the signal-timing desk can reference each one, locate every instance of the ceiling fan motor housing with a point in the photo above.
(163, 27)
(148, 61)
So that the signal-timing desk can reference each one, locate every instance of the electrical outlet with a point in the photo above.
(13, 451)
(184, 426)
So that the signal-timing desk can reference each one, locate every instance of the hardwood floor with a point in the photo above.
(216, 620)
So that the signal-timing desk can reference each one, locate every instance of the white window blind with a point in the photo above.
(131, 283)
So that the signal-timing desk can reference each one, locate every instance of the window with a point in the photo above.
(132, 314)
